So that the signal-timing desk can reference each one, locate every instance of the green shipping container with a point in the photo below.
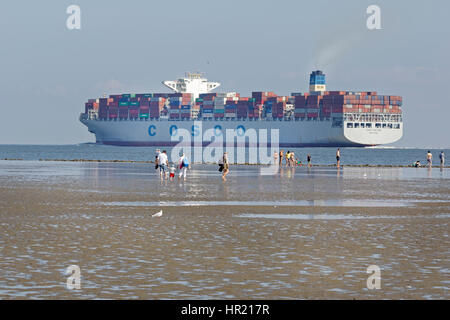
(133, 95)
(143, 115)
(123, 104)
(134, 104)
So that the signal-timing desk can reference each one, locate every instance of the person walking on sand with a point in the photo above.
(308, 160)
(163, 163)
(281, 157)
(338, 157)
(442, 158)
(225, 165)
(429, 159)
(183, 163)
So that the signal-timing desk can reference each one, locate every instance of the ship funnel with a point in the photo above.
(317, 82)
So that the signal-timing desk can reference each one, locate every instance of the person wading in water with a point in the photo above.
(281, 157)
(338, 157)
(429, 159)
(275, 157)
(225, 165)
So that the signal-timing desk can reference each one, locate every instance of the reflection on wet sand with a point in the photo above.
(302, 233)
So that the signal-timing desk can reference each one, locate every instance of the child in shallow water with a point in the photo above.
(171, 172)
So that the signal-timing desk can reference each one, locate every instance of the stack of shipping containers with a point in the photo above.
(219, 105)
(196, 108)
(174, 107)
(156, 105)
(208, 105)
(299, 105)
(242, 108)
(313, 105)
(230, 105)
(277, 106)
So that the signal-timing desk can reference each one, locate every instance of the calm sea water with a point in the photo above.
(354, 156)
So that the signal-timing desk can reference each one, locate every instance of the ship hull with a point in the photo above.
(291, 133)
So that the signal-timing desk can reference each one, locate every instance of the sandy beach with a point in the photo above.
(303, 233)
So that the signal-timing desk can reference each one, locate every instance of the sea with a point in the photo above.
(384, 156)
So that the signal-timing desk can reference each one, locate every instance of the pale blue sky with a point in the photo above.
(47, 72)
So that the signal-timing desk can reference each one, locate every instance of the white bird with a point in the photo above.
(158, 214)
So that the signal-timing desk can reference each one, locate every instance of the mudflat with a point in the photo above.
(290, 233)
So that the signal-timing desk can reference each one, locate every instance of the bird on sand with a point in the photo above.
(158, 214)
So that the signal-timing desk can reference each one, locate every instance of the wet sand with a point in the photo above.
(299, 234)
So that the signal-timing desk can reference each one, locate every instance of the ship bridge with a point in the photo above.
(194, 83)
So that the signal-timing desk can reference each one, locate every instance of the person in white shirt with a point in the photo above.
(156, 158)
(163, 162)
(429, 159)
(183, 163)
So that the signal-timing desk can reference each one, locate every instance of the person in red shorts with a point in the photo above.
(171, 172)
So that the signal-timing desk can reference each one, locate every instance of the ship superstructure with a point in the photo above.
(193, 83)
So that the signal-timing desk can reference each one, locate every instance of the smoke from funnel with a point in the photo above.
(336, 40)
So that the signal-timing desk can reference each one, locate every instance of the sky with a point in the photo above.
(48, 71)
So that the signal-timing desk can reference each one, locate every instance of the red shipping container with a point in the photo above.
(123, 112)
(300, 101)
(336, 93)
(313, 101)
(113, 113)
(337, 109)
(133, 113)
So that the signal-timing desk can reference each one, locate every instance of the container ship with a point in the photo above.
(318, 118)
